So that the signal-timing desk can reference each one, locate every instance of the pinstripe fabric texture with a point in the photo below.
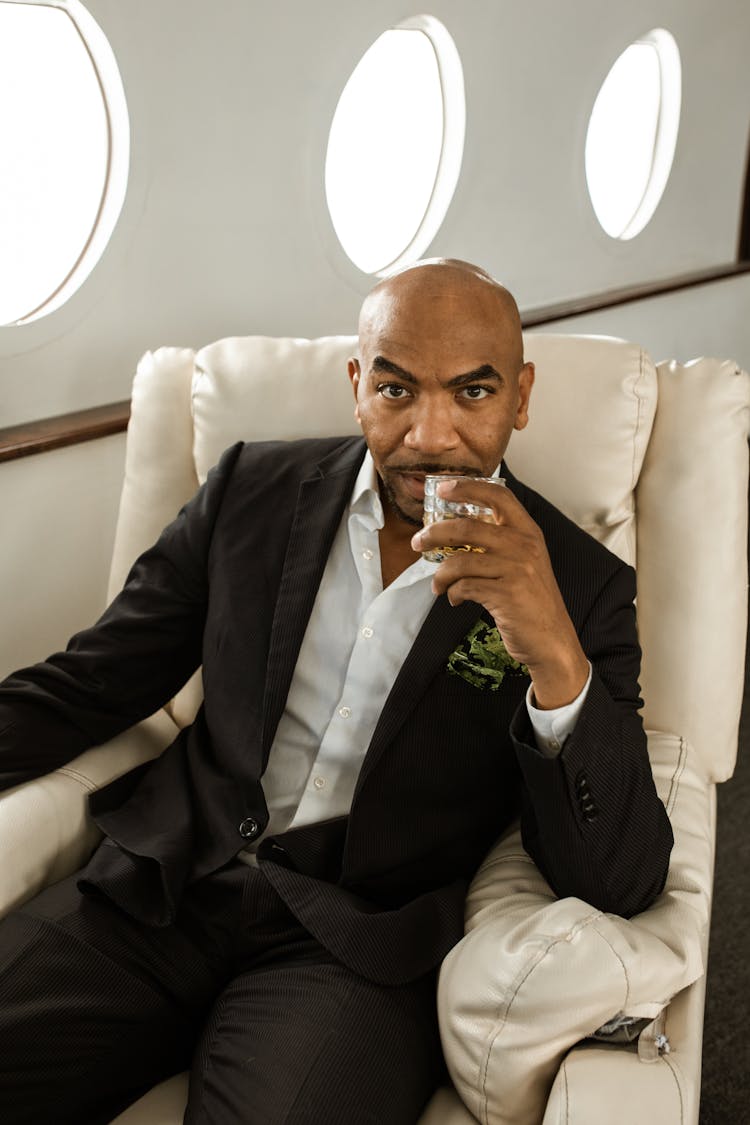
(97, 1007)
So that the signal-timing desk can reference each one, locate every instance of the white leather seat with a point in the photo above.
(652, 460)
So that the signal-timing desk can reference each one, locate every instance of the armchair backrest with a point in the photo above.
(652, 461)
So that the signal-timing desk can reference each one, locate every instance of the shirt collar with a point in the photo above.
(365, 499)
(366, 516)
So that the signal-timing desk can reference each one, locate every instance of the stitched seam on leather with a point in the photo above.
(677, 777)
(76, 776)
(577, 928)
(514, 858)
(673, 1072)
(483, 1082)
(638, 416)
(566, 1103)
(520, 854)
(622, 964)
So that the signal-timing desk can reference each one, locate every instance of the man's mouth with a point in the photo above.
(414, 484)
(413, 479)
(403, 486)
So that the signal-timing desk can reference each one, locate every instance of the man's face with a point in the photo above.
(438, 387)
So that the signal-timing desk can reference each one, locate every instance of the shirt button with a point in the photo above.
(367, 554)
(367, 632)
(319, 782)
(554, 744)
(249, 828)
(345, 712)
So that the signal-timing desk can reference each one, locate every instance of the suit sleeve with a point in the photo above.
(132, 661)
(592, 819)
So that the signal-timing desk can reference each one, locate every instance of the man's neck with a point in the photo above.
(396, 553)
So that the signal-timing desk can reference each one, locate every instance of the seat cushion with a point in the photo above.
(600, 389)
(260, 388)
(590, 420)
(535, 975)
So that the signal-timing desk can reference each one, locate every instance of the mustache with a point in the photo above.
(434, 468)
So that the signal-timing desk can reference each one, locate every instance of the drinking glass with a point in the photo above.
(441, 508)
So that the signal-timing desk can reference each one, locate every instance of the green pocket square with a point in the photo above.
(483, 660)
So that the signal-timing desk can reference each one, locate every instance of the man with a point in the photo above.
(275, 893)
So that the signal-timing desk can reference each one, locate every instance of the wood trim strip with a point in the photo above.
(610, 298)
(66, 429)
(101, 421)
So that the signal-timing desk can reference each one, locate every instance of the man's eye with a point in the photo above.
(392, 391)
(476, 393)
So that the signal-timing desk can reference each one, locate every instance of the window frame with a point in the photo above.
(448, 170)
(117, 164)
(666, 134)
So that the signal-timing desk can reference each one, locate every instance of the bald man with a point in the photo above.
(274, 894)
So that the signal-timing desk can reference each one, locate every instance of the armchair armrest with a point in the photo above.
(45, 831)
(534, 974)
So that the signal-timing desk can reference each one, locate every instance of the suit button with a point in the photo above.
(249, 828)
(586, 804)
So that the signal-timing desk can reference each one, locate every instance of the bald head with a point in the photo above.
(440, 383)
(441, 296)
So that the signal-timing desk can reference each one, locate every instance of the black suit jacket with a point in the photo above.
(231, 584)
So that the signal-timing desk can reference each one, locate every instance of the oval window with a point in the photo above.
(64, 143)
(395, 145)
(632, 134)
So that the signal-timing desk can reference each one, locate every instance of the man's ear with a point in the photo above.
(525, 383)
(353, 370)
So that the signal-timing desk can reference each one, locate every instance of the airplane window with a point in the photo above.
(632, 134)
(395, 145)
(64, 143)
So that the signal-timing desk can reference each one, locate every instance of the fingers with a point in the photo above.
(498, 555)
(500, 565)
(471, 589)
(461, 532)
(480, 578)
(472, 490)
(466, 531)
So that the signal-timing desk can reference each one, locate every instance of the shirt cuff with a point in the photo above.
(551, 728)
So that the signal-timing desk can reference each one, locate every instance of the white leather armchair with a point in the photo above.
(653, 462)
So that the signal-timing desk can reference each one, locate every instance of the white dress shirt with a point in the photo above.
(356, 640)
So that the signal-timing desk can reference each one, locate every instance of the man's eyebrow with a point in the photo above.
(485, 372)
(388, 367)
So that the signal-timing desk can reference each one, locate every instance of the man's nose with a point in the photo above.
(432, 429)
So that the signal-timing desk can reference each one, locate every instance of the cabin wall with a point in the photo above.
(225, 230)
(711, 320)
(59, 513)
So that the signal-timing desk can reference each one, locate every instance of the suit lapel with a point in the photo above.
(320, 504)
(443, 629)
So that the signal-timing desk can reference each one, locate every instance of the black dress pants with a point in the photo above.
(95, 1008)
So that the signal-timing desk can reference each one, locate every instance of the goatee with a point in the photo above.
(430, 467)
(394, 505)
